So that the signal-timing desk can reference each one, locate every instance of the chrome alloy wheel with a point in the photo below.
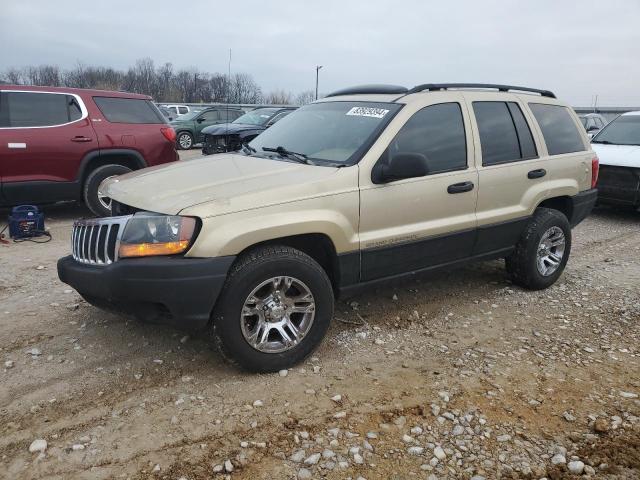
(102, 198)
(277, 314)
(185, 141)
(550, 251)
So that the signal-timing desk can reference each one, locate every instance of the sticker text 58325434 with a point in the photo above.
(368, 112)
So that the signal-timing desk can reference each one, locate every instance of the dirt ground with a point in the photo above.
(455, 375)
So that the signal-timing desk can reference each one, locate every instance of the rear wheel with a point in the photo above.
(97, 202)
(184, 141)
(274, 309)
(542, 251)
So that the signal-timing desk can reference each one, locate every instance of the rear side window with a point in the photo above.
(183, 110)
(504, 133)
(128, 110)
(558, 128)
(32, 109)
(438, 133)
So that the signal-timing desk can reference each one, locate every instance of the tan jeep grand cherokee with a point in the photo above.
(368, 184)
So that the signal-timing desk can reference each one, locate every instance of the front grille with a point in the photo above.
(96, 241)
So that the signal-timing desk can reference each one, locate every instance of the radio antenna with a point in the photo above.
(226, 133)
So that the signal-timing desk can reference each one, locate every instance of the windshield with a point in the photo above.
(624, 130)
(329, 131)
(256, 117)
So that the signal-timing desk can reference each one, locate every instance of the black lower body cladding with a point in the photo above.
(176, 291)
(583, 203)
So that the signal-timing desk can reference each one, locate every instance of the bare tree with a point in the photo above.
(161, 83)
(279, 97)
(305, 97)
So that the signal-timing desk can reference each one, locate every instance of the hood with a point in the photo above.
(230, 128)
(228, 182)
(618, 155)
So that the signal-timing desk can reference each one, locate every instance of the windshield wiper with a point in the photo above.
(248, 149)
(283, 152)
(604, 142)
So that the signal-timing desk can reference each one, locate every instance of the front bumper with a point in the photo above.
(177, 291)
(619, 185)
(583, 203)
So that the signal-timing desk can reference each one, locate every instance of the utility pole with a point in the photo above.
(318, 67)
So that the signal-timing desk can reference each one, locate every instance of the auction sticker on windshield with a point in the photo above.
(368, 112)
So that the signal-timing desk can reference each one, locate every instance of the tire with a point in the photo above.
(231, 328)
(96, 204)
(184, 141)
(525, 266)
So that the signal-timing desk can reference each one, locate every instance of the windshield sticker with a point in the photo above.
(368, 112)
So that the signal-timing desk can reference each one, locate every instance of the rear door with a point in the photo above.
(515, 168)
(43, 138)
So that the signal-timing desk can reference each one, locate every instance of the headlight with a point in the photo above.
(148, 234)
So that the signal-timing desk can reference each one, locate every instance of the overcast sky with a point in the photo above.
(576, 48)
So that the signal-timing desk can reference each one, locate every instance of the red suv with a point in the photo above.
(61, 143)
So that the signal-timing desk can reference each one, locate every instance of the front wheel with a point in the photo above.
(274, 310)
(97, 202)
(184, 141)
(542, 251)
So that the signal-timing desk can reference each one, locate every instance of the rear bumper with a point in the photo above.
(176, 291)
(583, 203)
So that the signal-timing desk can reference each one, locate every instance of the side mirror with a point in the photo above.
(400, 166)
(201, 119)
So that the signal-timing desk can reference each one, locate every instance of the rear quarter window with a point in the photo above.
(128, 110)
(558, 128)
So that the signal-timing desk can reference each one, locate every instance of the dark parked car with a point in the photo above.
(60, 143)
(229, 137)
(189, 127)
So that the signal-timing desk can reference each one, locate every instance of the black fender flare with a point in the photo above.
(100, 156)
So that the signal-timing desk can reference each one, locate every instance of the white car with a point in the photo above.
(618, 147)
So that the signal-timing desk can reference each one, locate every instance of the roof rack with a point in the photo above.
(370, 89)
(501, 88)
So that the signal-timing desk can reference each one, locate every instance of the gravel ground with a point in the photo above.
(459, 375)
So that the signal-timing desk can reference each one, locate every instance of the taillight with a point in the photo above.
(169, 133)
(595, 168)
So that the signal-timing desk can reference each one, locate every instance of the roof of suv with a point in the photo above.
(76, 91)
(395, 93)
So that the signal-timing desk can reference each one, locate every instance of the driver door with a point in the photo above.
(205, 119)
(416, 223)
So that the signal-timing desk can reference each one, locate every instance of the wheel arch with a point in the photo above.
(99, 158)
(318, 246)
(563, 204)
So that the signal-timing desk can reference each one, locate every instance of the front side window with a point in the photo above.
(504, 133)
(31, 109)
(437, 132)
(210, 116)
(558, 128)
(334, 132)
(128, 110)
(624, 130)
(183, 110)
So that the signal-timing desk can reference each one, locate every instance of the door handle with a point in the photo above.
(541, 172)
(81, 139)
(460, 187)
